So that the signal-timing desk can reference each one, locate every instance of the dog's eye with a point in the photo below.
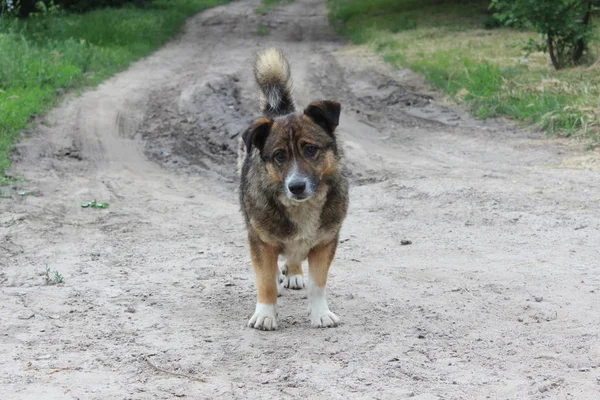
(280, 156)
(310, 150)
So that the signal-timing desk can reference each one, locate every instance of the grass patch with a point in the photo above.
(270, 5)
(8, 180)
(453, 47)
(262, 30)
(42, 56)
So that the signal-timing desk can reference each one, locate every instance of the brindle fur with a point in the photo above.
(276, 223)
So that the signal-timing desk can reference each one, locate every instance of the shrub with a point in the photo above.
(23, 8)
(86, 5)
(566, 25)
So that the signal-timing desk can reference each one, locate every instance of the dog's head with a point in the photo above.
(298, 150)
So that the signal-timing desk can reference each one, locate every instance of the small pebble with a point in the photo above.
(405, 242)
(538, 298)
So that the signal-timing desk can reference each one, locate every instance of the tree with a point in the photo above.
(24, 8)
(566, 25)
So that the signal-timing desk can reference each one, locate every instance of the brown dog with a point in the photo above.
(293, 193)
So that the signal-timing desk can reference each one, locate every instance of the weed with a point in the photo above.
(94, 204)
(54, 279)
(8, 180)
(262, 30)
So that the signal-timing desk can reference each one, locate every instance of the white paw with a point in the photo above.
(293, 281)
(320, 316)
(264, 318)
(326, 319)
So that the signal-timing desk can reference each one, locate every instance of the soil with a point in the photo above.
(497, 296)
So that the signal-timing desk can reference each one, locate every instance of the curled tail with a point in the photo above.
(272, 73)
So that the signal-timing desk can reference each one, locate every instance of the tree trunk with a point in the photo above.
(581, 45)
(555, 61)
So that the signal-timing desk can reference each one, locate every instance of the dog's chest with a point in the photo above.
(307, 221)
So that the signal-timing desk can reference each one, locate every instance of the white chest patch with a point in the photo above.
(307, 218)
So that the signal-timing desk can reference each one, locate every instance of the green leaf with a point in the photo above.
(94, 204)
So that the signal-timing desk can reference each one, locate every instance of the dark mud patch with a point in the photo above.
(368, 177)
(196, 127)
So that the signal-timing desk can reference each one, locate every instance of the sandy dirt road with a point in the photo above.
(497, 296)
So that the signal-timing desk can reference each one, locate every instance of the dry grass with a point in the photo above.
(483, 68)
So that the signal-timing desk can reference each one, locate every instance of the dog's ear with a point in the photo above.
(326, 114)
(257, 133)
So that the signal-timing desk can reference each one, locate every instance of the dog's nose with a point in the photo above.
(297, 187)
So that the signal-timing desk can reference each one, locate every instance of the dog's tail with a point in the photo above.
(272, 73)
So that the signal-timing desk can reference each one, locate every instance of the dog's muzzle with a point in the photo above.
(299, 188)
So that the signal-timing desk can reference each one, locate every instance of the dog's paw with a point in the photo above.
(325, 319)
(264, 318)
(280, 280)
(293, 282)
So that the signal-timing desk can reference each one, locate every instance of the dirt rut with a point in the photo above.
(496, 297)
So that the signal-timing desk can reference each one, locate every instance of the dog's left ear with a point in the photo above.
(257, 133)
(326, 114)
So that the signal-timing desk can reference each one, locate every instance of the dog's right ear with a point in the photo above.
(257, 133)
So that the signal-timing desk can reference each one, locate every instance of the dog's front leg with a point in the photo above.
(264, 261)
(292, 274)
(319, 260)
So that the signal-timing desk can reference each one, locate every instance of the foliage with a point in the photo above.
(87, 5)
(94, 204)
(24, 8)
(566, 26)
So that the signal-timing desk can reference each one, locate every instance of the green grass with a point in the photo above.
(262, 30)
(42, 56)
(485, 69)
(269, 5)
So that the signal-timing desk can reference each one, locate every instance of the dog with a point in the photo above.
(293, 193)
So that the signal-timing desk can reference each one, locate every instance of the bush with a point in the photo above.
(491, 22)
(86, 5)
(23, 8)
(566, 25)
